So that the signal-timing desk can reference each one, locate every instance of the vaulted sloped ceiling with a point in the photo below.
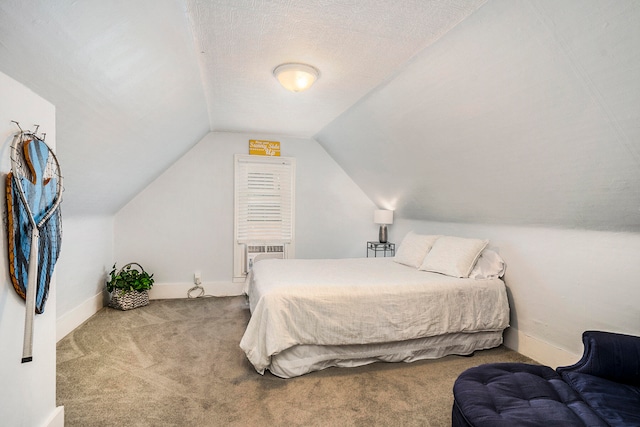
(355, 44)
(526, 113)
(125, 81)
(512, 112)
(136, 83)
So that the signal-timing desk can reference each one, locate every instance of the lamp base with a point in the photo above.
(382, 235)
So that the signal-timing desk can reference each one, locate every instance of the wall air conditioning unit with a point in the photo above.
(256, 252)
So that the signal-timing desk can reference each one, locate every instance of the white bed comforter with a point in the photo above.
(361, 301)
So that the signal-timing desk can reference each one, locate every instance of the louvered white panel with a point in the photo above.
(264, 200)
(264, 205)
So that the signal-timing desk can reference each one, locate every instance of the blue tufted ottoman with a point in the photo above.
(517, 394)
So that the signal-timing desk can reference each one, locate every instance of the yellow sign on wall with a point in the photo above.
(264, 148)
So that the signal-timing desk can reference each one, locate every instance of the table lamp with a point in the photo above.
(383, 217)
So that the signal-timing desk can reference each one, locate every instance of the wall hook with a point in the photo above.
(17, 124)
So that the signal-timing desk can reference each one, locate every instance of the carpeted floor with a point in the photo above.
(178, 363)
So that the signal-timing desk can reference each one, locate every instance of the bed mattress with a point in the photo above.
(308, 305)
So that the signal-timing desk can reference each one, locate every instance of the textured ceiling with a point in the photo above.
(137, 83)
(509, 112)
(528, 113)
(125, 81)
(355, 44)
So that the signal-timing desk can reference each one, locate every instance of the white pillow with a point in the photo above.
(413, 249)
(490, 265)
(453, 256)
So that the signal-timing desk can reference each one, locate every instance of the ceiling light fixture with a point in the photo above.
(296, 77)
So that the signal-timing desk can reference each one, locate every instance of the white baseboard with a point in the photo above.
(56, 419)
(538, 350)
(71, 320)
(180, 290)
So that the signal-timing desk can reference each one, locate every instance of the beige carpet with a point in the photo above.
(178, 363)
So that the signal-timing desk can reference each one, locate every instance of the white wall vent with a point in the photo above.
(258, 252)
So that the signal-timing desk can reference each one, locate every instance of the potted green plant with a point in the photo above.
(129, 286)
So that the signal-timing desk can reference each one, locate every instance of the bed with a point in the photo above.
(308, 315)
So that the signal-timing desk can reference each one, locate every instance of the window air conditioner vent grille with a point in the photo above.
(258, 252)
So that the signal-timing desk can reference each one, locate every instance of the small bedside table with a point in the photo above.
(386, 249)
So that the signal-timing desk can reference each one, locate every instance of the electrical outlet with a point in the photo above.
(197, 278)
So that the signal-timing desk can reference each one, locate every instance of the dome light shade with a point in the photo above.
(296, 77)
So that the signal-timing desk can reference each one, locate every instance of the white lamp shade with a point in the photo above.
(382, 216)
(296, 77)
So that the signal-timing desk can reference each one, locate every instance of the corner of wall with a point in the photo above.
(538, 350)
(77, 316)
(56, 419)
(28, 392)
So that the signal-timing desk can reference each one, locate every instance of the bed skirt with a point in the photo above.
(302, 359)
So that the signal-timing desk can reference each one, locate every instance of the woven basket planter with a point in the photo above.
(129, 299)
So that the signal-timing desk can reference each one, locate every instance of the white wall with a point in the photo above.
(183, 221)
(87, 256)
(560, 283)
(27, 390)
